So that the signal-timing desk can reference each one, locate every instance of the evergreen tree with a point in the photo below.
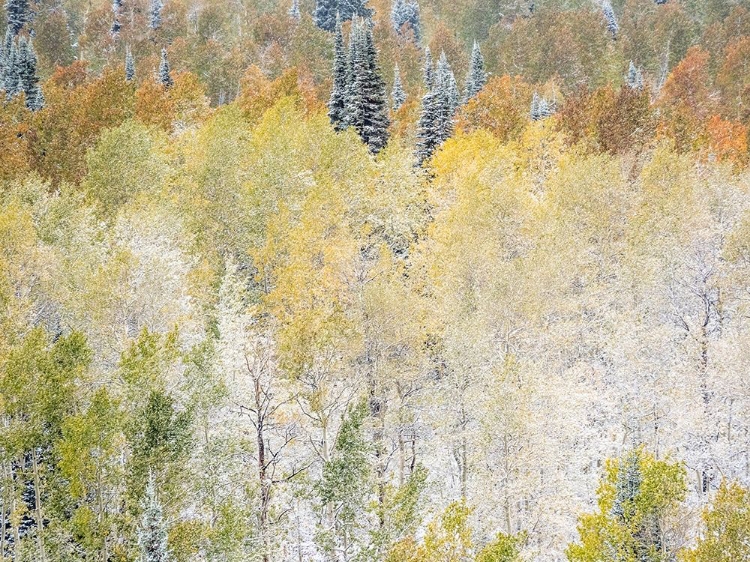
(337, 101)
(152, 532)
(366, 100)
(294, 12)
(326, 12)
(635, 77)
(439, 105)
(534, 113)
(116, 8)
(397, 94)
(18, 13)
(164, 77)
(28, 82)
(129, 65)
(477, 77)
(406, 14)
(6, 59)
(609, 15)
(154, 12)
(429, 70)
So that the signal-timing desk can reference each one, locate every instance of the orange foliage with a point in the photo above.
(13, 139)
(727, 141)
(501, 107)
(180, 106)
(687, 101)
(258, 93)
(734, 80)
(75, 113)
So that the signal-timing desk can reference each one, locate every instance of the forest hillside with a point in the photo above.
(374, 281)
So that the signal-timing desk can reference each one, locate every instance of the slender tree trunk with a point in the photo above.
(3, 517)
(38, 501)
(265, 486)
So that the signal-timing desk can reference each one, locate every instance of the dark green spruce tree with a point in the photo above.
(439, 105)
(337, 101)
(366, 99)
(25, 74)
(164, 72)
(477, 77)
(326, 12)
(397, 94)
(429, 69)
(19, 13)
(129, 65)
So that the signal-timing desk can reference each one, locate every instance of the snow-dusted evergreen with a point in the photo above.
(439, 105)
(326, 12)
(18, 64)
(294, 12)
(405, 15)
(129, 65)
(366, 99)
(18, 13)
(429, 69)
(337, 101)
(609, 15)
(397, 93)
(154, 12)
(635, 77)
(164, 72)
(541, 107)
(477, 77)
(152, 530)
(116, 9)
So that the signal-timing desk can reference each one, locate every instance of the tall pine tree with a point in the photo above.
(609, 15)
(337, 101)
(129, 65)
(19, 13)
(294, 12)
(152, 531)
(429, 70)
(164, 72)
(477, 77)
(397, 94)
(326, 12)
(366, 100)
(155, 8)
(439, 104)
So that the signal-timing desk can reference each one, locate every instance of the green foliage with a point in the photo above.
(726, 533)
(505, 548)
(636, 497)
(125, 162)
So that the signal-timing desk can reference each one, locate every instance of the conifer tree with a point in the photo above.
(164, 77)
(294, 12)
(366, 100)
(18, 13)
(7, 55)
(635, 77)
(155, 8)
(534, 113)
(406, 14)
(439, 105)
(116, 8)
(28, 82)
(429, 70)
(477, 77)
(609, 15)
(326, 12)
(397, 94)
(337, 101)
(152, 531)
(129, 65)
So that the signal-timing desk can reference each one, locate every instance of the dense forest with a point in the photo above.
(375, 281)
